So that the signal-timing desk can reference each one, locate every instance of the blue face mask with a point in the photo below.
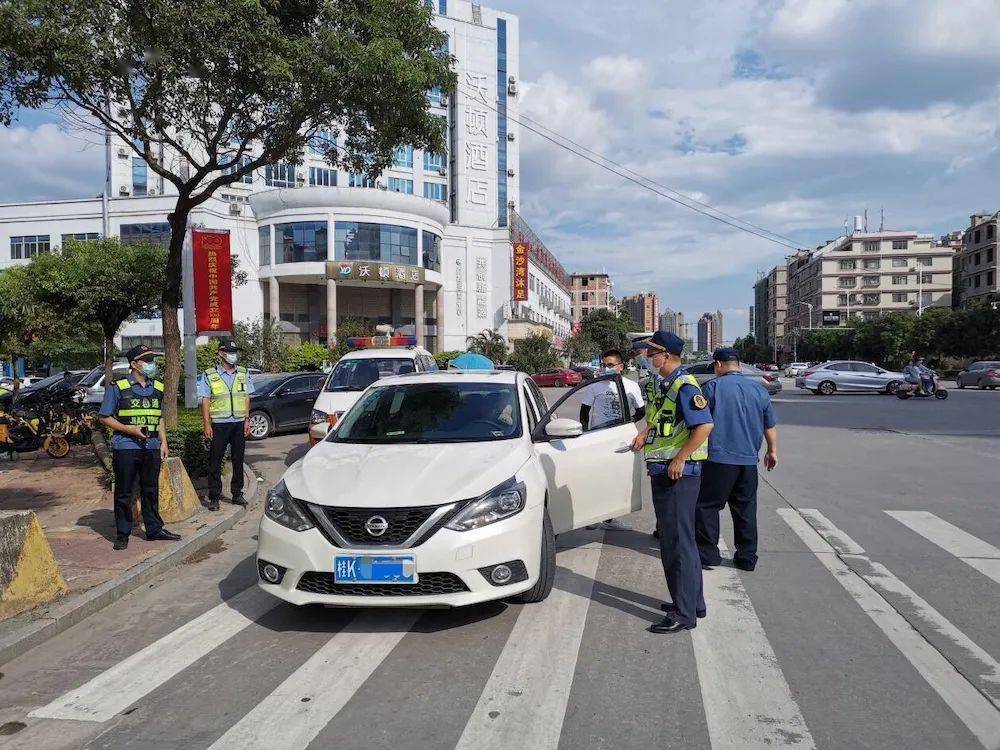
(231, 358)
(149, 369)
(608, 370)
(642, 362)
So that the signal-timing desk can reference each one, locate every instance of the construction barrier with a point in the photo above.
(178, 499)
(29, 575)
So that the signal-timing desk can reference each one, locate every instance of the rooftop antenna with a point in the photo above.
(866, 221)
(846, 224)
(881, 221)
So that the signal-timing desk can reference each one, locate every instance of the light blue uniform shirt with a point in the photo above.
(205, 390)
(742, 411)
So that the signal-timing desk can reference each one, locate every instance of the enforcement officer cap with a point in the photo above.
(664, 341)
(726, 354)
(228, 346)
(138, 352)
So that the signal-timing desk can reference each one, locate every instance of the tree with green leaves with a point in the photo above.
(262, 343)
(533, 353)
(306, 358)
(491, 344)
(101, 281)
(608, 330)
(208, 91)
(579, 347)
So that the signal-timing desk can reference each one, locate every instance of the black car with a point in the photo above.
(283, 402)
(586, 371)
(44, 388)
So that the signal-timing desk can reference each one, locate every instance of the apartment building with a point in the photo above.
(770, 308)
(673, 322)
(591, 291)
(710, 331)
(644, 309)
(976, 273)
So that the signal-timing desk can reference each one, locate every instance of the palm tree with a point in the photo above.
(490, 344)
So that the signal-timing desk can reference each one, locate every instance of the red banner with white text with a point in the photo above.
(521, 271)
(213, 281)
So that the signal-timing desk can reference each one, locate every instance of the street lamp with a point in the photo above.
(810, 312)
(920, 290)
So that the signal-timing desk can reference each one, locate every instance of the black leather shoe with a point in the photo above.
(238, 499)
(121, 541)
(744, 565)
(213, 503)
(669, 625)
(163, 535)
(668, 608)
(656, 533)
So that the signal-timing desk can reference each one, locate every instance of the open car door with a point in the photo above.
(593, 474)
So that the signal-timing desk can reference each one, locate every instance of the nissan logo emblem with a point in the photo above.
(376, 526)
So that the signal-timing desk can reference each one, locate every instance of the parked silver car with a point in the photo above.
(705, 371)
(844, 375)
(982, 375)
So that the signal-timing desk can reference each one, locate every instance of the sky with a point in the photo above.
(791, 114)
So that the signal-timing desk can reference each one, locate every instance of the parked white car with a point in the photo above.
(443, 489)
(795, 368)
(356, 371)
(829, 377)
(93, 382)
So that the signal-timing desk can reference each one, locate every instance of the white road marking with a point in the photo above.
(130, 680)
(971, 550)
(972, 707)
(299, 708)
(833, 536)
(747, 701)
(524, 701)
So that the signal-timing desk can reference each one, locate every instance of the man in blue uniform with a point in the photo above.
(132, 408)
(678, 423)
(743, 417)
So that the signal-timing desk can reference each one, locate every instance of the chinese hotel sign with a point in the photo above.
(370, 271)
(213, 281)
(521, 271)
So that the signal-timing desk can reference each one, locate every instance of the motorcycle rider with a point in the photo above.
(919, 374)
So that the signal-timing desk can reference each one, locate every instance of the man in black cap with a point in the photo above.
(743, 417)
(133, 408)
(225, 392)
(678, 423)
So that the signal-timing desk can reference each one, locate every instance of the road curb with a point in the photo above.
(65, 614)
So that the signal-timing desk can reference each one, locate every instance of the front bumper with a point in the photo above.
(317, 432)
(460, 553)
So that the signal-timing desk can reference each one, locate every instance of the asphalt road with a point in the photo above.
(870, 622)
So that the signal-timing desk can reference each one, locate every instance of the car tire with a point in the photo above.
(960, 384)
(891, 387)
(546, 567)
(981, 384)
(260, 425)
(827, 388)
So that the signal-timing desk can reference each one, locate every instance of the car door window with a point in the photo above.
(864, 368)
(295, 386)
(537, 395)
(840, 367)
(530, 409)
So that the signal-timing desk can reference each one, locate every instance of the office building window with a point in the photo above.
(870, 281)
(402, 157)
(927, 278)
(848, 265)
(300, 241)
(264, 245)
(322, 143)
(978, 235)
(900, 262)
(989, 255)
(501, 122)
(28, 246)
(899, 296)
(900, 244)
(399, 185)
(433, 162)
(436, 191)
(870, 247)
(82, 236)
(443, 7)
(232, 166)
(925, 261)
(900, 280)
(979, 280)
(990, 278)
(869, 315)
(322, 176)
(360, 180)
(977, 259)
(381, 242)
(872, 264)
(842, 299)
(155, 232)
(870, 299)
(990, 231)
(139, 176)
(280, 175)
(432, 251)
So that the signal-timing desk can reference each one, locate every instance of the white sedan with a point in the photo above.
(442, 489)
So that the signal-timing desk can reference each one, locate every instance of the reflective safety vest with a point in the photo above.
(668, 433)
(227, 403)
(141, 411)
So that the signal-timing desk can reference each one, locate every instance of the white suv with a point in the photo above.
(442, 489)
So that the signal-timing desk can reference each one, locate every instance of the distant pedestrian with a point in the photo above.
(743, 418)
(225, 392)
(133, 409)
(678, 423)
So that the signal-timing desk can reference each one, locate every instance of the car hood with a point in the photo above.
(390, 476)
(331, 401)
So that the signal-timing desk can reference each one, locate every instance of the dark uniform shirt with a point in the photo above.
(109, 408)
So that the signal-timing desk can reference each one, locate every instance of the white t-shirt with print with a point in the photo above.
(605, 403)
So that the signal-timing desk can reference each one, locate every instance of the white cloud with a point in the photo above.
(618, 73)
(45, 162)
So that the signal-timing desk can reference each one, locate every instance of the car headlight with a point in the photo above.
(282, 508)
(503, 501)
(317, 417)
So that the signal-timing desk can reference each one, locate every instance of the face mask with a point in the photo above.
(608, 370)
(231, 358)
(642, 362)
(149, 369)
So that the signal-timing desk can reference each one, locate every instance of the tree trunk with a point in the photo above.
(109, 358)
(170, 302)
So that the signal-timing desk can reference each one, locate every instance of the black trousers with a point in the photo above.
(129, 465)
(736, 485)
(226, 435)
(674, 502)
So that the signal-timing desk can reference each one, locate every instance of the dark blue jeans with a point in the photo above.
(674, 502)
(736, 485)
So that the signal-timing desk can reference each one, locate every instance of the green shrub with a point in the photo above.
(187, 442)
(307, 357)
(443, 358)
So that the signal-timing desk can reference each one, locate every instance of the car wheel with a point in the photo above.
(260, 425)
(892, 387)
(960, 384)
(982, 385)
(827, 387)
(546, 567)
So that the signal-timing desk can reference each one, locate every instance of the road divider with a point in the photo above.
(29, 575)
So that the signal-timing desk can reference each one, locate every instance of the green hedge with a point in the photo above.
(187, 442)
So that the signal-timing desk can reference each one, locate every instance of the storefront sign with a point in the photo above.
(363, 270)
(831, 317)
(213, 281)
(482, 287)
(460, 290)
(521, 271)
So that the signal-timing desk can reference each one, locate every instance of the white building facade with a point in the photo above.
(426, 247)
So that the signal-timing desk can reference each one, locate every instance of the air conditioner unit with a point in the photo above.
(300, 181)
(151, 191)
(443, 102)
(380, 185)
(123, 152)
(235, 209)
(510, 172)
(510, 137)
(443, 171)
(512, 86)
(123, 190)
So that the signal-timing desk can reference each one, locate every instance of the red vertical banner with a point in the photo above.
(213, 281)
(521, 271)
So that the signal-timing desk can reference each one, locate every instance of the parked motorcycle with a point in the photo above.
(26, 432)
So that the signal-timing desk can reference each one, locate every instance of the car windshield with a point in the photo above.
(432, 413)
(46, 382)
(263, 384)
(356, 374)
(92, 377)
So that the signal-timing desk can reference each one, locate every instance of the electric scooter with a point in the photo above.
(916, 390)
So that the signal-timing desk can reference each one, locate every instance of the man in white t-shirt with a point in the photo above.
(601, 403)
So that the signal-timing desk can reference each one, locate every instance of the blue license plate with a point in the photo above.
(374, 569)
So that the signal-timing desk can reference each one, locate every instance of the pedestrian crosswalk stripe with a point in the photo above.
(972, 707)
(126, 683)
(747, 701)
(524, 701)
(298, 709)
(971, 550)
(832, 536)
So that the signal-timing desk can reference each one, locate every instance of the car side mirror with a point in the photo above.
(564, 428)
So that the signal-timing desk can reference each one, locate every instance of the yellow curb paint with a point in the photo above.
(36, 579)
(178, 499)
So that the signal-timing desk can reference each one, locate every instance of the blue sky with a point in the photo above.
(792, 114)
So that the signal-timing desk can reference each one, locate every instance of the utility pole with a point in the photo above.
(106, 195)
(188, 334)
